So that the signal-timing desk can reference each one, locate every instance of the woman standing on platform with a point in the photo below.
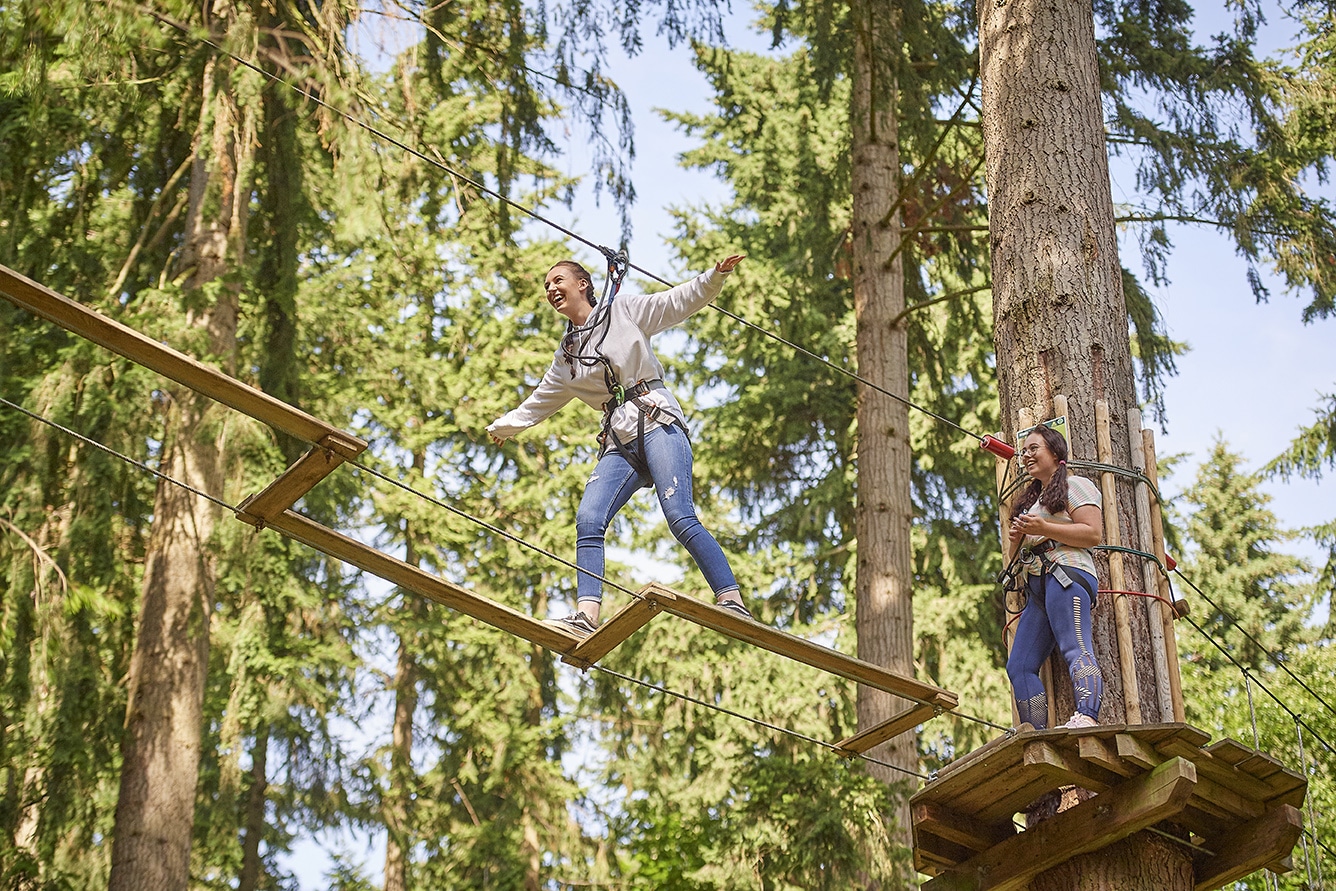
(606, 361)
(1058, 520)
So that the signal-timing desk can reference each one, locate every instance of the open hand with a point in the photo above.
(729, 263)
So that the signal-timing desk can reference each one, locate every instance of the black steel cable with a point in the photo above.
(110, 451)
(1280, 663)
(184, 29)
(757, 721)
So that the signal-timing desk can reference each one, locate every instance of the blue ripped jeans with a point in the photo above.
(1055, 616)
(667, 451)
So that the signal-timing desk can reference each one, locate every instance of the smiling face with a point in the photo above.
(568, 293)
(1037, 458)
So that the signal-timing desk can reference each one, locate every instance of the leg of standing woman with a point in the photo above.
(667, 451)
(1029, 650)
(1069, 613)
(607, 490)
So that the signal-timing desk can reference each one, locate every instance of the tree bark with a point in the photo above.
(397, 820)
(161, 746)
(1060, 318)
(885, 614)
(252, 866)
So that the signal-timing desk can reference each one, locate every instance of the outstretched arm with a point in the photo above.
(658, 312)
(549, 396)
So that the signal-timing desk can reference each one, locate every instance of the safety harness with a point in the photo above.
(1010, 578)
(591, 335)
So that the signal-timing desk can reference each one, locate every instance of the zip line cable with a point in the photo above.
(853, 375)
(1298, 718)
(1275, 657)
(110, 451)
(658, 687)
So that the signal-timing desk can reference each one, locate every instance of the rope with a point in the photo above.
(1204, 633)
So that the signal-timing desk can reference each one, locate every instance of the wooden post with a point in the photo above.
(1117, 580)
(1149, 572)
(1157, 548)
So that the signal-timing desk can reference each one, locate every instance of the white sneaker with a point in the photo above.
(1079, 720)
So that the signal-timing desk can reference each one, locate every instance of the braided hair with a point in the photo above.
(1053, 497)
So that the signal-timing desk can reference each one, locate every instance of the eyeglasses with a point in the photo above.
(1032, 450)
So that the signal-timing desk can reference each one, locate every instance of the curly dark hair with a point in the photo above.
(1053, 497)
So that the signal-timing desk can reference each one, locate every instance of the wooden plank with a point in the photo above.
(933, 855)
(1010, 793)
(983, 751)
(612, 633)
(411, 578)
(1224, 799)
(79, 319)
(1122, 613)
(318, 462)
(889, 729)
(1104, 753)
(1230, 751)
(980, 772)
(1066, 768)
(931, 818)
(729, 623)
(1249, 847)
(1132, 749)
(1127, 808)
(1224, 774)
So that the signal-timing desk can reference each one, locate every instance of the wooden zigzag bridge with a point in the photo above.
(1235, 808)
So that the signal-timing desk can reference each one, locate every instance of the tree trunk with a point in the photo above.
(1060, 319)
(161, 746)
(251, 864)
(885, 616)
(397, 796)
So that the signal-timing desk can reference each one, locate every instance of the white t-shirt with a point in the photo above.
(1080, 492)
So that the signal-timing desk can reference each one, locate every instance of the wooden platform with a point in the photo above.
(1237, 808)
(272, 508)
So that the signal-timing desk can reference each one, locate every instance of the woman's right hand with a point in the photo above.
(729, 263)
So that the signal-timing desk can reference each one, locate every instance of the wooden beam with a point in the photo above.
(612, 633)
(105, 332)
(1249, 847)
(1221, 772)
(409, 577)
(931, 818)
(1066, 767)
(729, 623)
(1091, 825)
(1134, 750)
(319, 462)
(1104, 753)
(889, 729)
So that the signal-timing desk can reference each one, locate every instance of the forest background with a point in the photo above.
(383, 295)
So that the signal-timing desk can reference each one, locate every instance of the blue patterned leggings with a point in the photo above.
(1055, 616)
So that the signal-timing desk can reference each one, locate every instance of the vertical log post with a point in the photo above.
(1117, 578)
(1157, 548)
(1150, 572)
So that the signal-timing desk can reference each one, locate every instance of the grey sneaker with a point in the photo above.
(1079, 720)
(735, 606)
(577, 623)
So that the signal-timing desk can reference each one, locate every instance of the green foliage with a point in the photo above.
(1255, 616)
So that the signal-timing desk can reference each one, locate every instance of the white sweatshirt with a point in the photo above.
(635, 319)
